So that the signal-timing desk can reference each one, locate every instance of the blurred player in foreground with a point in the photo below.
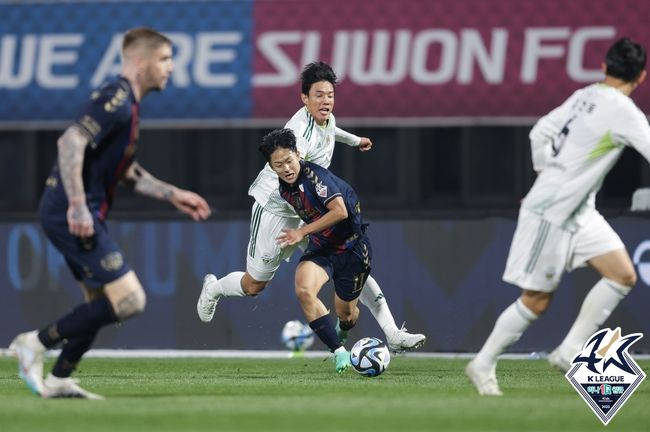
(315, 128)
(94, 154)
(559, 228)
(338, 247)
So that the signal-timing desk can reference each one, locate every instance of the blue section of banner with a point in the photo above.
(442, 277)
(53, 55)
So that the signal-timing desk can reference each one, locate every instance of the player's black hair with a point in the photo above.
(625, 60)
(279, 138)
(315, 72)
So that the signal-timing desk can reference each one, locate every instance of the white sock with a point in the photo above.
(598, 304)
(228, 286)
(507, 330)
(372, 298)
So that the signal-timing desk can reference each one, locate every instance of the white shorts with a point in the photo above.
(540, 251)
(264, 255)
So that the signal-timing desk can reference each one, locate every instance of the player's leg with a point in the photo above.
(118, 300)
(598, 245)
(398, 339)
(539, 269)
(311, 275)
(94, 262)
(263, 258)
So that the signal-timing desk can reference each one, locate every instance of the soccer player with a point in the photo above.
(94, 154)
(338, 247)
(574, 147)
(316, 131)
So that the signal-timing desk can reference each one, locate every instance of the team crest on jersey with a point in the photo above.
(604, 373)
(321, 190)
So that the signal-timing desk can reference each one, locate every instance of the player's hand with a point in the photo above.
(191, 204)
(80, 221)
(365, 144)
(289, 237)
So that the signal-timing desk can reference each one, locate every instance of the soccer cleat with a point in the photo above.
(207, 304)
(29, 351)
(342, 359)
(402, 340)
(556, 360)
(55, 387)
(342, 334)
(485, 381)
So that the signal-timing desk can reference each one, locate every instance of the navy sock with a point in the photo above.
(72, 351)
(84, 319)
(325, 331)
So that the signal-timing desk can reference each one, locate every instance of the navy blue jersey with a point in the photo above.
(110, 122)
(309, 195)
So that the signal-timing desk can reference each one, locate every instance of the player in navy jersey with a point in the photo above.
(95, 154)
(338, 247)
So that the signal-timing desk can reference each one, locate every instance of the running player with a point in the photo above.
(338, 247)
(94, 154)
(559, 228)
(316, 131)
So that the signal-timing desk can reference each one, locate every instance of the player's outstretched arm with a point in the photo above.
(71, 148)
(345, 137)
(186, 201)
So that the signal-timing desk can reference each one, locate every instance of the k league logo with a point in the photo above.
(604, 374)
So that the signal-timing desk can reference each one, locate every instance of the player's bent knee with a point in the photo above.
(132, 304)
(537, 301)
(629, 279)
(251, 286)
(126, 296)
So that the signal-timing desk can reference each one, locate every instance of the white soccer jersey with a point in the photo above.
(315, 144)
(576, 145)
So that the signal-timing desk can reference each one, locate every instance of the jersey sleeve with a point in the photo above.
(346, 137)
(325, 186)
(634, 131)
(106, 110)
(545, 130)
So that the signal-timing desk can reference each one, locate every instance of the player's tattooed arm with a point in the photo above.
(146, 184)
(71, 149)
(186, 201)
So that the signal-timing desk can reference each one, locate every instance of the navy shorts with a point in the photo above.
(95, 261)
(348, 270)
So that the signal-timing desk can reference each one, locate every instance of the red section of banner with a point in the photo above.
(449, 58)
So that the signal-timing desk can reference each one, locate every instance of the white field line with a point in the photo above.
(163, 353)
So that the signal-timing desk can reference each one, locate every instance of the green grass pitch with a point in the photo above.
(415, 394)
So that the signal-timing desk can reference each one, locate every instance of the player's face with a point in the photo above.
(286, 164)
(158, 68)
(320, 101)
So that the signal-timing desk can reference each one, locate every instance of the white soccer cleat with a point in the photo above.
(29, 351)
(556, 360)
(402, 340)
(485, 381)
(207, 304)
(55, 387)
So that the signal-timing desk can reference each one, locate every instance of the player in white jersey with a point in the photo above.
(559, 228)
(315, 128)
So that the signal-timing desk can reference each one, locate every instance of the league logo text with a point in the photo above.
(604, 373)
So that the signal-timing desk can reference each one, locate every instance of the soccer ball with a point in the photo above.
(370, 356)
(297, 336)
